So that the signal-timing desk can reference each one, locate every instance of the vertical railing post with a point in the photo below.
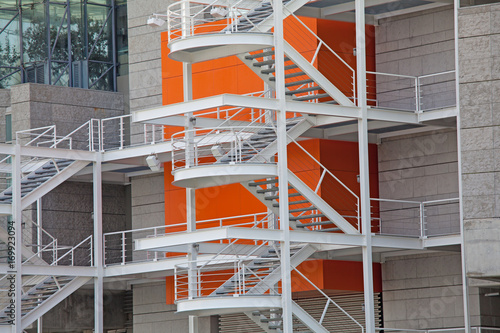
(122, 135)
(156, 252)
(124, 257)
(175, 283)
(91, 251)
(417, 95)
(422, 220)
(91, 135)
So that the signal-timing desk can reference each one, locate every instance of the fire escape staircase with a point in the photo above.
(308, 211)
(39, 293)
(44, 179)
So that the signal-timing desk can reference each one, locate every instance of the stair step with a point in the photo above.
(272, 70)
(298, 83)
(287, 76)
(264, 182)
(302, 209)
(272, 197)
(303, 217)
(310, 97)
(267, 62)
(313, 224)
(272, 189)
(290, 203)
(304, 90)
(259, 55)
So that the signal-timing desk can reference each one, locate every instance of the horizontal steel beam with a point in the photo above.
(78, 155)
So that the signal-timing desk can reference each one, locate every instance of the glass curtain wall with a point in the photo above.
(72, 43)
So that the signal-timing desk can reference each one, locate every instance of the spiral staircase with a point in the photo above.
(239, 154)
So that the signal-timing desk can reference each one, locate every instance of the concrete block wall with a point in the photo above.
(145, 72)
(479, 50)
(74, 314)
(419, 167)
(37, 105)
(4, 104)
(415, 44)
(145, 53)
(67, 211)
(425, 291)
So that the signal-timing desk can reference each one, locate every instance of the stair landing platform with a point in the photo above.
(222, 174)
(206, 306)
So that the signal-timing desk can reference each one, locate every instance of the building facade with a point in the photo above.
(243, 179)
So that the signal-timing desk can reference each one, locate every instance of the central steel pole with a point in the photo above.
(286, 280)
(364, 171)
(98, 248)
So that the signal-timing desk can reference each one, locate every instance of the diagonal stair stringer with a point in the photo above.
(307, 319)
(293, 133)
(316, 75)
(53, 300)
(25, 251)
(268, 23)
(52, 183)
(321, 204)
(275, 276)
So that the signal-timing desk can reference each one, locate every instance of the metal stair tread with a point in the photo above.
(272, 70)
(313, 224)
(304, 90)
(302, 217)
(272, 197)
(309, 97)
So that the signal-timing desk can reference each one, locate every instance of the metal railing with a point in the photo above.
(411, 93)
(210, 277)
(328, 62)
(475, 329)
(222, 145)
(416, 218)
(119, 247)
(85, 137)
(327, 310)
(324, 183)
(190, 18)
(40, 137)
(78, 255)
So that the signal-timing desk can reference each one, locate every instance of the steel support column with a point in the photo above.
(279, 55)
(15, 241)
(465, 282)
(39, 243)
(98, 248)
(190, 193)
(364, 171)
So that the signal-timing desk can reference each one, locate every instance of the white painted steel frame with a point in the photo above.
(279, 58)
(364, 168)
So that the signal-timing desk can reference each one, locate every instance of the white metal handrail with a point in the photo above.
(188, 18)
(329, 300)
(31, 132)
(476, 329)
(71, 252)
(414, 99)
(321, 43)
(419, 216)
(119, 240)
(88, 127)
(326, 172)
(212, 276)
(218, 145)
